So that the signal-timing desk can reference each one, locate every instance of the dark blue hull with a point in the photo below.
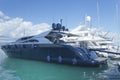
(63, 54)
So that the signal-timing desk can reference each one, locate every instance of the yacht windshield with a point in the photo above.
(24, 38)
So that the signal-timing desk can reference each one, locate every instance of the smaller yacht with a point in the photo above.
(53, 46)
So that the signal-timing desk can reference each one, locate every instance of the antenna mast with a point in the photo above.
(98, 14)
(61, 21)
(117, 15)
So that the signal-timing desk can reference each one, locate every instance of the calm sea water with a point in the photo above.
(18, 69)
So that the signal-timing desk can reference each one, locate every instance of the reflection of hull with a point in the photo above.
(50, 53)
(111, 74)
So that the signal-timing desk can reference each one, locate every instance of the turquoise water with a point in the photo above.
(18, 69)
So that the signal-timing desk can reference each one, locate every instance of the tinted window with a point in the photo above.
(32, 40)
(24, 38)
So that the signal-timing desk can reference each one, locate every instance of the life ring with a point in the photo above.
(74, 61)
(59, 59)
(48, 58)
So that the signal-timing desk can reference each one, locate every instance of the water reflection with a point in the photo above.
(112, 73)
(36, 70)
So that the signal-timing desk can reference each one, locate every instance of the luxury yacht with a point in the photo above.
(51, 46)
(93, 40)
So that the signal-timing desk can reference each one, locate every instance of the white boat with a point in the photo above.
(93, 40)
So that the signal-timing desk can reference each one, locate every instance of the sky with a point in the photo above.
(35, 16)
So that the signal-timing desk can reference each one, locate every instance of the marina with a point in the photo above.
(60, 40)
(105, 69)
